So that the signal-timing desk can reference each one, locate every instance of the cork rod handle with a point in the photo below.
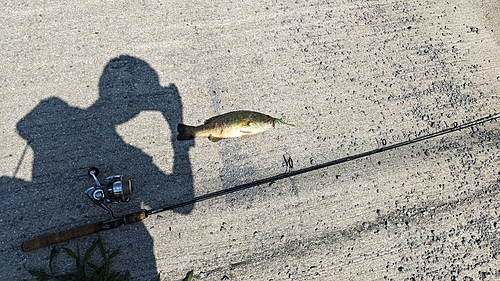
(59, 237)
(80, 231)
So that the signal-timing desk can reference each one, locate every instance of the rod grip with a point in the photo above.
(60, 237)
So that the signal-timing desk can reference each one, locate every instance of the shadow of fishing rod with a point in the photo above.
(138, 216)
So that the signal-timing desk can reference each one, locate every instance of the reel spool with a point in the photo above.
(115, 189)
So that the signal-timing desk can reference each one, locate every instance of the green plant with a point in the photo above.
(189, 276)
(85, 270)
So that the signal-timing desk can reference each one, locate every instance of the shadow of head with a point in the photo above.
(129, 85)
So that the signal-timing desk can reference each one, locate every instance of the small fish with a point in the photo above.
(230, 125)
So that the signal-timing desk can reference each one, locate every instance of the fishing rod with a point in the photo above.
(119, 189)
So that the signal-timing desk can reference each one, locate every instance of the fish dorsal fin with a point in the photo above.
(217, 119)
(214, 139)
(210, 119)
(244, 122)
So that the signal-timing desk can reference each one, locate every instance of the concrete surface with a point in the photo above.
(106, 83)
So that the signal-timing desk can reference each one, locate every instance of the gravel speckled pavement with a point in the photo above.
(105, 84)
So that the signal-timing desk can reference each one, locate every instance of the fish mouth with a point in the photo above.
(271, 122)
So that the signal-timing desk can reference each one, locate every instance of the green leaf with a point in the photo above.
(78, 251)
(40, 275)
(71, 253)
(89, 251)
(101, 248)
(106, 269)
(113, 277)
(114, 253)
(80, 267)
(116, 277)
(93, 266)
(189, 276)
(51, 258)
(70, 276)
(95, 276)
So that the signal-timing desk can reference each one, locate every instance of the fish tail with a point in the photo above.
(185, 132)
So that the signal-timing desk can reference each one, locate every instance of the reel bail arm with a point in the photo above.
(115, 189)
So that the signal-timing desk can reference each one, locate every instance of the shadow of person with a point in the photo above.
(66, 141)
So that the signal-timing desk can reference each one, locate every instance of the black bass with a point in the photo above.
(230, 125)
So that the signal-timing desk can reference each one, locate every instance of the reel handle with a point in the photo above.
(60, 237)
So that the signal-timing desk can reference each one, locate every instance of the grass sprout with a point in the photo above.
(85, 270)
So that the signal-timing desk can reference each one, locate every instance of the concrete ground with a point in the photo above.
(105, 84)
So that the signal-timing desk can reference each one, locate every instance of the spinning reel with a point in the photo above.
(115, 189)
